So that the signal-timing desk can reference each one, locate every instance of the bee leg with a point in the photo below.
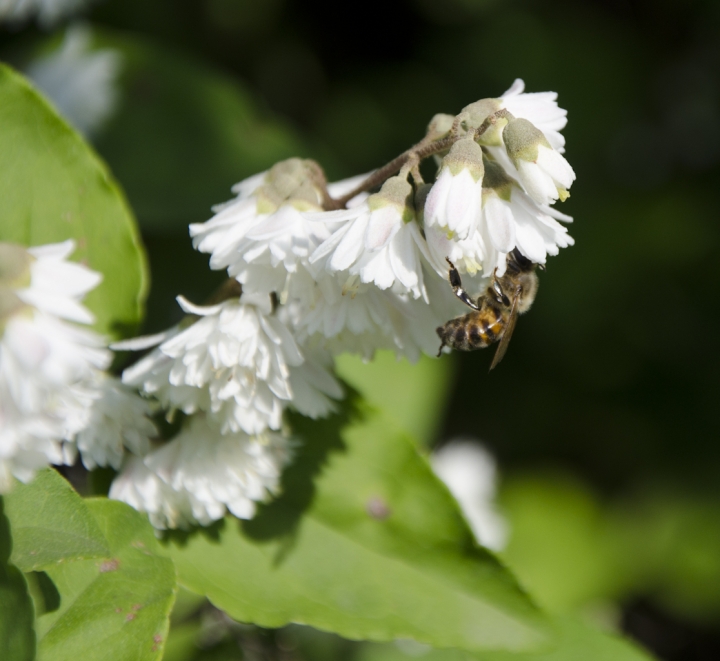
(501, 297)
(456, 285)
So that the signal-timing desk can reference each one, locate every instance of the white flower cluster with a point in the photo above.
(55, 397)
(365, 276)
(323, 269)
(315, 270)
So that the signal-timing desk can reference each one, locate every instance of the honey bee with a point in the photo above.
(494, 312)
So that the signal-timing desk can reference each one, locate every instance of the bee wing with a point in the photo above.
(509, 328)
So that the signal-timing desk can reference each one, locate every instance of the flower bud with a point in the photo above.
(14, 274)
(15, 263)
(544, 173)
(290, 182)
(476, 113)
(453, 203)
(396, 193)
(440, 126)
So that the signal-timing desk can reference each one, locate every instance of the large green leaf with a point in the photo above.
(413, 395)
(374, 548)
(53, 187)
(112, 608)
(17, 638)
(184, 133)
(51, 524)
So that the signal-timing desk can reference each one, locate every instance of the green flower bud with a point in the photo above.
(291, 181)
(440, 126)
(15, 264)
(465, 154)
(398, 192)
(476, 113)
(496, 180)
(522, 139)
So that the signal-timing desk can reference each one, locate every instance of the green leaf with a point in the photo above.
(381, 551)
(184, 134)
(116, 607)
(17, 638)
(413, 395)
(53, 187)
(576, 642)
(51, 523)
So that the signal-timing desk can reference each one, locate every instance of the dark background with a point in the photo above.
(613, 376)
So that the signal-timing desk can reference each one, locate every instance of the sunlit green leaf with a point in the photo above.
(116, 607)
(413, 395)
(381, 551)
(53, 187)
(51, 523)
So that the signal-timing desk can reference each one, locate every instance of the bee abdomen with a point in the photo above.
(475, 330)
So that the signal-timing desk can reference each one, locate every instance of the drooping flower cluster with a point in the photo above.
(320, 269)
(55, 398)
(315, 269)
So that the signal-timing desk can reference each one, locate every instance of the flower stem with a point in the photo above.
(428, 146)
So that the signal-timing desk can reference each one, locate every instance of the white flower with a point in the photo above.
(377, 240)
(454, 202)
(237, 361)
(468, 255)
(201, 473)
(544, 172)
(116, 418)
(540, 108)
(48, 12)
(262, 242)
(45, 362)
(342, 314)
(469, 472)
(81, 82)
(509, 220)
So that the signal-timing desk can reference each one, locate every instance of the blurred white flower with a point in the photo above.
(81, 82)
(202, 473)
(45, 361)
(469, 472)
(237, 361)
(48, 12)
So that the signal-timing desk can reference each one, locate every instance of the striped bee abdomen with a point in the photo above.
(475, 330)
